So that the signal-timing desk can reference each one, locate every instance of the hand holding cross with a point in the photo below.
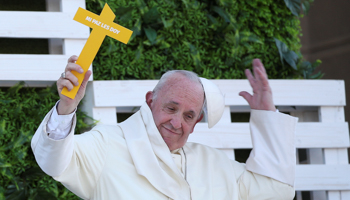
(76, 71)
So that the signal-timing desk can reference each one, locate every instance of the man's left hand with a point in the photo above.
(262, 94)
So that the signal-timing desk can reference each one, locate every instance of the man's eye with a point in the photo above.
(189, 116)
(170, 108)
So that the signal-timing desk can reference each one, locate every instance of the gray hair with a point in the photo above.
(188, 74)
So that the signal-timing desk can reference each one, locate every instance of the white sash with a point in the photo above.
(147, 148)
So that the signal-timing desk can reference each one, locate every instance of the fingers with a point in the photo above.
(72, 59)
(86, 79)
(262, 77)
(72, 78)
(250, 77)
(257, 64)
(248, 97)
(74, 67)
(260, 73)
(64, 83)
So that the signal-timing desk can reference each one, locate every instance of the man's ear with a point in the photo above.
(198, 120)
(149, 98)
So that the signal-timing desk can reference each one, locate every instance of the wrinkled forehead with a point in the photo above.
(182, 84)
(184, 90)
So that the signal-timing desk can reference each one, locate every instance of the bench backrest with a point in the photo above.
(66, 37)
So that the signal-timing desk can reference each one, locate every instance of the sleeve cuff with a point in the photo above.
(53, 156)
(59, 126)
(273, 137)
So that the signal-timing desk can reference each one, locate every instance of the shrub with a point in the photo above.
(21, 111)
(216, 39)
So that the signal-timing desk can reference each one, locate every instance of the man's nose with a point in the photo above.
(176, 121)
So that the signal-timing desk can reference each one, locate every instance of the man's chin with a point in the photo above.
(167, 141)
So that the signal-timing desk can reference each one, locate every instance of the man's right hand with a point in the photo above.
(66, 104)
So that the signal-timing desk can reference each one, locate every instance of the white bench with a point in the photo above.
(66, 37)
(321, 130)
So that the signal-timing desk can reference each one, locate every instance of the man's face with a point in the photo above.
(176, 110)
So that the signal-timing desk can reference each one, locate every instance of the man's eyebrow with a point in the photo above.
(191, 111)
(174, 102)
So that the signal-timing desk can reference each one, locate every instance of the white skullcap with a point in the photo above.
(215, 102)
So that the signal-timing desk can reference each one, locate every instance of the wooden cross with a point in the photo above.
(101, 26)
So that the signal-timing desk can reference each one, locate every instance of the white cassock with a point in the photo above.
(131, 161)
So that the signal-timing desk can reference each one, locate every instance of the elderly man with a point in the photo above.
(147, 157)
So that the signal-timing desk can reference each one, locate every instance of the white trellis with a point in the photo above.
(66, 37)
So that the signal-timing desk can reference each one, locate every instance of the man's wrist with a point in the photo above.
(62, 109)
(58, 126)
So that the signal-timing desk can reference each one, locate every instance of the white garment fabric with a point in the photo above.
(59, 125)
(131, 161)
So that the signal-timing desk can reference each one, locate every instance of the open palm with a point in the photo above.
(262, 94)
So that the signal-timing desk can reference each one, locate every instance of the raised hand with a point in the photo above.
(67, 105)
(262, 94)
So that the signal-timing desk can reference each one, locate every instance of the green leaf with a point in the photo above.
(237, 38)
(167, 23)
(16, 192)
(125, 13)
(3, 165)
(280, 46)
(32, 173)
(291, 58)
(230, 38)
(222, 13)
(151, 16)
(42, 194)
(255, 39)
(194, 54)
(6, 101)
(247, 61)
(285, 54)
(306, 6)
(138, 52)
(136, 29)
(147, 43)
(151, 35)
(212, 19)
(294, 6)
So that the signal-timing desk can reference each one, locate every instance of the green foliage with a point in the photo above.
(21, 111)
(216, 39)
(298, 6)
(302, 68)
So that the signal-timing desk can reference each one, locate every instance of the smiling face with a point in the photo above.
(177, 109)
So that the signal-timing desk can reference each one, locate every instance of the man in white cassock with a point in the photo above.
(147, 157)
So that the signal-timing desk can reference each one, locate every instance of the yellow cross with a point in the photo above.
(101, 26)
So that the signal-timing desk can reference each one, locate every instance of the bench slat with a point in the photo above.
(41, 25)
(322, 177)
(237, 135)
(15, 67)
(286, 92)
(32, 67)
(290, 92)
